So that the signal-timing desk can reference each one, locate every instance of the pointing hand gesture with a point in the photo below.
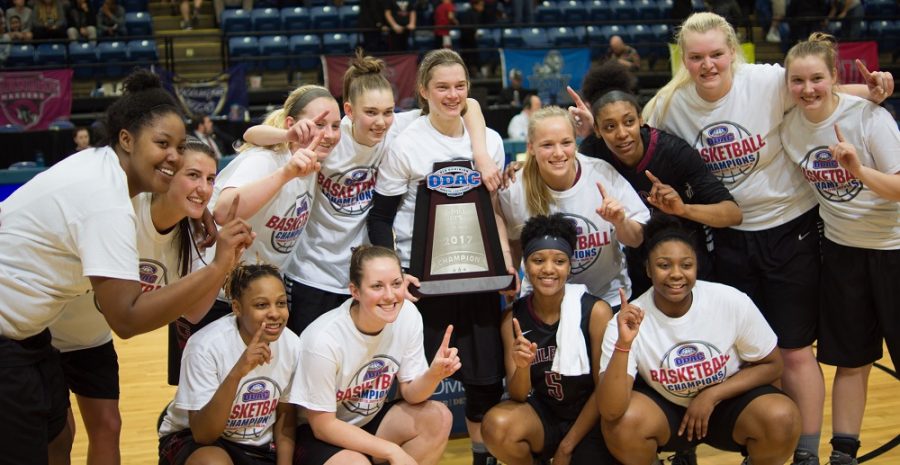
(524, 351)
(610, 210)
(235, 236)
(305, 129)
(446, 360)
(628, 321)
(256, 353)
(305, 161)
(664, 197)
(845, 153)
(584, 119)
(880, 83)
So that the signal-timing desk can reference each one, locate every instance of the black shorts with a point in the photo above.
(721, 422)
(181, 330)
(779, 269)
(310, 451)
(176, 448)
(860, 305)
(33, 398)
(476, 333)
(93, 372)
(590, 451)
(308, 303)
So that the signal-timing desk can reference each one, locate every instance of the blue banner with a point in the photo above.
(548, 71)
(222, 95)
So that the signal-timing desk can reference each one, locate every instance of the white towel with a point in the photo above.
(571, 352)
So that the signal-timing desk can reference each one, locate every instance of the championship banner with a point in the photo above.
(848, 53)
(212, 97)
(548, 71)
(400, 72)
(34, 99)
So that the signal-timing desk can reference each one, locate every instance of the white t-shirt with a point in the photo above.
(411, 157)
(518, 127)
(208, 358)
(81, 325)
(344, 189)
(738, 138)
(350, 373)
(280, 222)
(678, 357)
(72, 221)
(599, 262)
(853, 215)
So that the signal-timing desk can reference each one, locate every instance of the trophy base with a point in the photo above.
(463, 286)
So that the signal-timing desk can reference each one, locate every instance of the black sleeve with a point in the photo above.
(705, 188)
(381, 219)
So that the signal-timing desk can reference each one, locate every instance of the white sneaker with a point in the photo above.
(773, 36)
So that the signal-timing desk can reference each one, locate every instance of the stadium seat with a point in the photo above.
(276, 49)
(309, 45)
(350, 16)
(423, 40)
(547, 12)
(574, 11)
(51, 54)
(20, 56)
(266, 19)
(566, 36)
(295, 19)
(337, 43)
(143, 50)
(113, 55)
(489, 41)
(512, 38)
(622, 10)
(598, 10)
(888, 34)
(61, 124)
(324, 17)
(535, 37)
(139, 23)
(134, 5)
(665, 8)
(81, 55)
(236, 21)
(614, 30)
(880, 7)
(647, 9)
(243, 47)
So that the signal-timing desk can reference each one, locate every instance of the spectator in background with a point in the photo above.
(82, 138)
(514, 94)
(49, 20)
(623, 53)
(219, 6)
(189, 19)
(371, 18)
(728, 9)
(476, 16)
(801, 29)
(400, 16)
(205, 130)
(15, 33)
(111, 19)
(82, 21)
(850, 14)
(24, 16)
(518, 125)
(5, 39)
(444, 15)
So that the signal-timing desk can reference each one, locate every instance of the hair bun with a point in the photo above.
(141, 80)
(607, 77)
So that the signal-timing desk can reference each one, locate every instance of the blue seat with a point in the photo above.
(20, 56)
(265, 4)
(139, 23)
(51, 54)
(880, 7)
(614, 30)
(144, 51)
(295, 19)
(338, 43)
(488, 40)
(236, 21)
(134, 5)
(665, 8)
(276, 49)
(422, 40)
(61, 124)
(308, 45)
(547, 12)
(535, 37)
(266, 19)
(566, 36)
(325, 17)
(622, 10)
(598, 10)
(888, 34)
(512, 38)
(82, 55)
(243, 47)
(114, 55)
(350, 16)
(647, 9)
(574, 11)
(661, 33)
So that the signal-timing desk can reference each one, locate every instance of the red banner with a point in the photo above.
(400, 72)
(34, 99)
(848, 52)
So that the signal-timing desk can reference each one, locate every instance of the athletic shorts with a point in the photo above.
(860, 305)
(310, 451)
(181, 330)
(590, 451)
(176, 448)
(92, 373)
(779, 269)
(721, 422)
(308, 303)
(33, 398)
(476, 333)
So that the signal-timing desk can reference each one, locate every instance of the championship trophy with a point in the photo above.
(455, 246)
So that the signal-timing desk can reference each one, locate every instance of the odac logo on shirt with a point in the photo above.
(152, 274)
(689, 367)
(349, 192)
(253, 409)
(368, 389)
(590, 242)
(287, 229)
(729, 150)
(832, 181)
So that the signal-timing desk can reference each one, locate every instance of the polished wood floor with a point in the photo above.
(145, 393)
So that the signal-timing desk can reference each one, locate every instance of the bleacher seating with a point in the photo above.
(324, 17)
(143, 50)
(337, 43)
(20, 56)
(295, 18)
(83, 53)
(423, 40)
(488, 39)
(266, 19)
(535, 37)
(646, 9)
(51, 55)
(512, 37)
(349, 16)
(547, 12)
(306, 44)
(622, 10)
(236, 21)
(242, 47)
(113, 55)
(134, 5)
(138, 23)
(598, 10)
(881, 7)
(574, 11)
(276, 48)
(566, 36)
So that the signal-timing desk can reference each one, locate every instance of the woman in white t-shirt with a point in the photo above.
(691, 361)
(848, 150)
(166, 249)
(70, 230)
(732, 112)
(232, 404)
(350, 358)
(606, 210)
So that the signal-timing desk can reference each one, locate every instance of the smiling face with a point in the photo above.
(708, 58)
(672, 267)
(331, 126)
(263, 301)
(372, 114)
(552, 143)
(811, 84)
(192, 185)
(380, 293)
(548, 271)
(619, 124)
(446, 91)
(153, 154)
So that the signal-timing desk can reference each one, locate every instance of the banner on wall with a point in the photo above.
(848, 52)
(400, 72)
(34, 99)
(548, 71)
(221, 95)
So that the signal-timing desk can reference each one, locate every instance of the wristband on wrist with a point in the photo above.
(620, 349)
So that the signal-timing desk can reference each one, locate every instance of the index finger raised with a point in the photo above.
(314, 144)
(602, 190)
(259, 333)
(652, 178)
(321, 116)
(863, 70)
(622, 297)
(445, 344)
(575, 97)
(517, 330)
